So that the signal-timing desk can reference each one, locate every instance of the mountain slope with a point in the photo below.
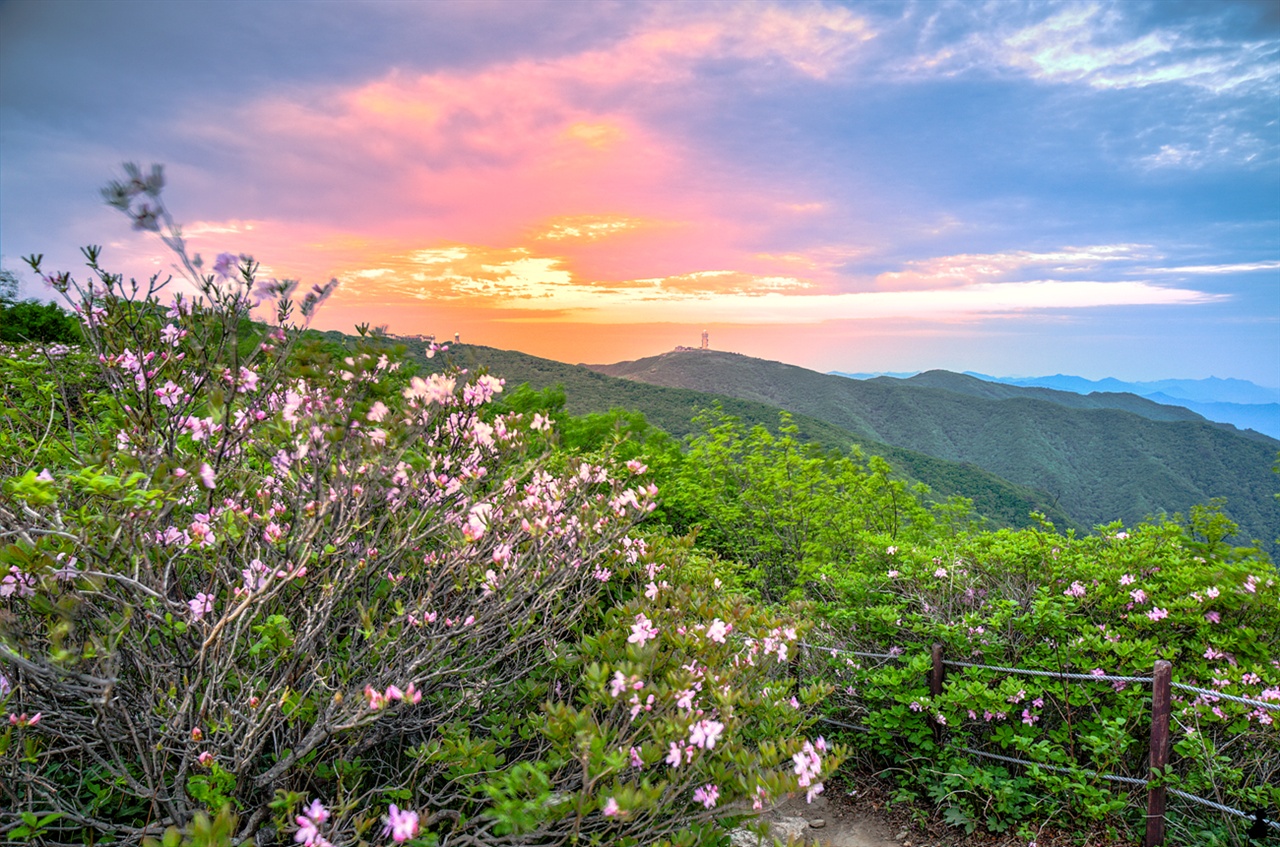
(673, 410)
(965, 384)
(1103, 464)
(1231, 401)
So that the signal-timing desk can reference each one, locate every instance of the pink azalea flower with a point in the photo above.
(1158, 614)
(611, 808)
(718, 630)
(401, 824)
(642, 631)
(309, 821)
(225, 265)
(705, 734)
(707, 795)
(200, 606)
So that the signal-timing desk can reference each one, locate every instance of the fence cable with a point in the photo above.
(1221, 808)
(1261, 704)
(844, 725)
(1089, 677)
(1145, 680)
(1128, 780)
(1111, 777)
(834, 650)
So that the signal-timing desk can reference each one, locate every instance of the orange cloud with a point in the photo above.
(539, 191)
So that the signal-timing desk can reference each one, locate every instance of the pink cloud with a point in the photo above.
(490, 156)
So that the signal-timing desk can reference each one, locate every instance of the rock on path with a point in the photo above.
(821, 824)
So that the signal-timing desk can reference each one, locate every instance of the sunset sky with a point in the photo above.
(1012, 188)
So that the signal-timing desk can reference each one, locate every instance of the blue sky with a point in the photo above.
(1011, 188)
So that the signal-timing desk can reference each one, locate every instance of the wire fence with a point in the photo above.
(1158, 739)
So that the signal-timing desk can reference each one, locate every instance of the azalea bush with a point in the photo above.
(888, 573)
(256, 586)
(1110, 604)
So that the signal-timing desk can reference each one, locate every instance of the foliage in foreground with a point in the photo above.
(886, 573)
(253, 591)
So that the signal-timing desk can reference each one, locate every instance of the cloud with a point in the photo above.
(971, 269)
(960, 304)
(1214, 270)
(571, 148)
(1103, 48)
(1210, 146)
(585, 228)
(530, 285)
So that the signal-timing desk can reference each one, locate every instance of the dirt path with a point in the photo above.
(832, 820)
(859, 814)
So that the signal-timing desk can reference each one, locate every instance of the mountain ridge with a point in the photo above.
(1104, 464)
(1205, 397)
(673, 409)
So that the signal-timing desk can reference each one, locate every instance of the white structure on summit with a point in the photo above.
(706, 340)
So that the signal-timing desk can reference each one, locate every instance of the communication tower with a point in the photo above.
(706, 340)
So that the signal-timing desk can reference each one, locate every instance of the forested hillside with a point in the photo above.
(974, 387)
(673, 410)
(1100, 464)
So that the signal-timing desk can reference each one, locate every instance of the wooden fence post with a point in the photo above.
(935, 685)
(1161, 708)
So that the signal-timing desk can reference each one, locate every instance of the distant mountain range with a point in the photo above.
(1234, 401)
(1104, 456)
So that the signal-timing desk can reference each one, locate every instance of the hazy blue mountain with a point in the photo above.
(1211, 390)
(1234, 401)
(1263, 417)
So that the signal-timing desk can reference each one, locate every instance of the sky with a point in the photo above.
(1004, 187)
